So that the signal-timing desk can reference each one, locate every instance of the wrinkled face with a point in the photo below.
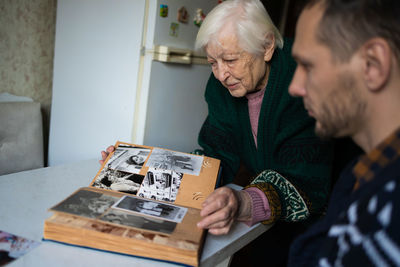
(329, 88)
(239, 71)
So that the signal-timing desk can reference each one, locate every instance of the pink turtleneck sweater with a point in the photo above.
(260, 205)
(254, 102)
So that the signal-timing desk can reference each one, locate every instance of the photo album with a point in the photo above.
(144, 201)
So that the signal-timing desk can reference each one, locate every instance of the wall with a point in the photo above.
(27, 34)
(27, 30)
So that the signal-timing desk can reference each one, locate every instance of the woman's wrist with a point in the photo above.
(260, 209)
(244, 206)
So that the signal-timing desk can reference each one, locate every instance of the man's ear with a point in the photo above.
(377, 59)
(269, 47)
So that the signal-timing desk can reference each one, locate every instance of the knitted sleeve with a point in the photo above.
(285, 201)
(298, 186)
(298, 180)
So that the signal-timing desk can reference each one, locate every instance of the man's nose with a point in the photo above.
(297, 85)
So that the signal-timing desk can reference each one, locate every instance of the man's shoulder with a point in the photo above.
(372, 216)
(376, 207)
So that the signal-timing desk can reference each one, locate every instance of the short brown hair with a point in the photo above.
(347, 24)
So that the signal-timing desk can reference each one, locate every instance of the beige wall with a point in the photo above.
(27, 33)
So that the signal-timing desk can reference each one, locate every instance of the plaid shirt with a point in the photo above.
(361, 226)
(371, 164)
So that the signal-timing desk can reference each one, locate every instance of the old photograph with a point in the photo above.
(161, 184)
(151, 208)
(13, 246)
(119, 181)
(128, 158)
(175, 161)
(147, 223)
(86, 203)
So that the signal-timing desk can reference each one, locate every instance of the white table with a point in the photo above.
(26, 196)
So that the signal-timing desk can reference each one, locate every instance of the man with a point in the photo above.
(348, 74)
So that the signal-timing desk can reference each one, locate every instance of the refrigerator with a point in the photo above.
(126, 70)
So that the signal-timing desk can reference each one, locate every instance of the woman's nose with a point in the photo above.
(223, 72)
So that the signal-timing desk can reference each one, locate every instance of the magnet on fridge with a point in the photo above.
(173, 29)
(200, 16)
(163, 11)
(182, 15)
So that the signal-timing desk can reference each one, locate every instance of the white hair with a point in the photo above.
(250, 20)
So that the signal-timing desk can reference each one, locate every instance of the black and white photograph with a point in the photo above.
(151, 208)
(147, 223)
(118, 181)
(175, 161)
(128, 158)
(86, 203)
(160, 184)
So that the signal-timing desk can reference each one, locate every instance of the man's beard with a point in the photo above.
(340, 116)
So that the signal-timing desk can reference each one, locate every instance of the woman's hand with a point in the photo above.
(104, 154)
(222, 208)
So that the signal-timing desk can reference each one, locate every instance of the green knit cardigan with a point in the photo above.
(291, 165)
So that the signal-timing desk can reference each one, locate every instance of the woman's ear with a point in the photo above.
(377, 63)
(269, 47)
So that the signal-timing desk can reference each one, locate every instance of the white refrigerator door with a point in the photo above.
(171, 107)
(176, 107)
(186, 32)
(97, 51)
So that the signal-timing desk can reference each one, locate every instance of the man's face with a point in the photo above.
(239, 71)
(329, 88)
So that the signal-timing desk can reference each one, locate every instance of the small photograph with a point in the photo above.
(175, 161)
(13, 247)
(118, 181)
(147, 223)
(86, 203)
(128, 158)
(160, 184)
(151, 208)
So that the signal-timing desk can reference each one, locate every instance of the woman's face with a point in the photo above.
(238, 71)
(138, 159)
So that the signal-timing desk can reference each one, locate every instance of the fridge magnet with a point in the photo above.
(198, 19)
(183, 15)
(173, 29)
(163, 11)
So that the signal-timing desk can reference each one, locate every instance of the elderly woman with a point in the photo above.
(253, 121)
